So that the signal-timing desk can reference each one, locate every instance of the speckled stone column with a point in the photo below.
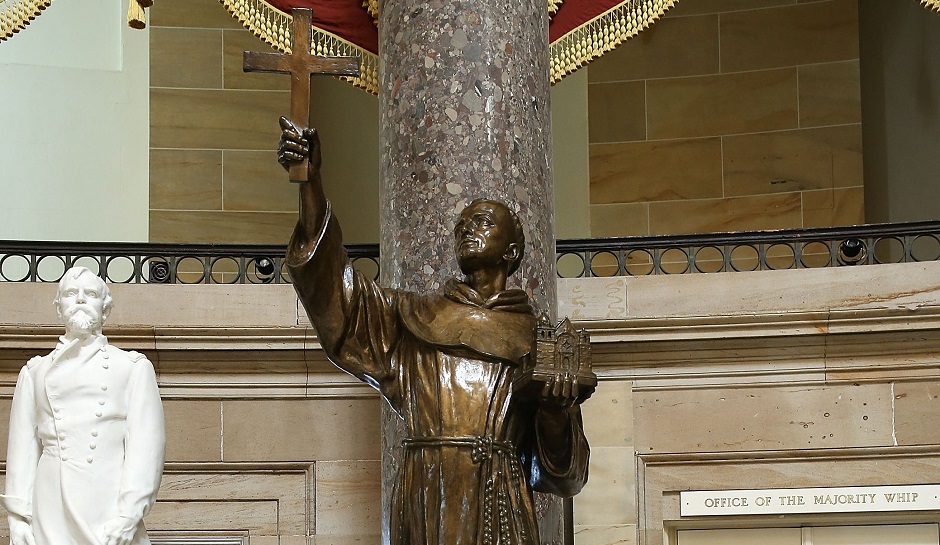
(464, 101)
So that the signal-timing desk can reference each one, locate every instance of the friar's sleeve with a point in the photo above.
(560, 452)
(144, 444)
(356, 320)
(23, 449)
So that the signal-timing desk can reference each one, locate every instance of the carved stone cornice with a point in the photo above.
(776, 327)
(796, 347)
(791, 347)
(206, 362)
(856, 453)
(144, 338)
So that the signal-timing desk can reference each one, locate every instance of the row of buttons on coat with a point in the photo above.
(94, 433)
(91, 446)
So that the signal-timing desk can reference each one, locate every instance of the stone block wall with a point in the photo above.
(796, 378)
(724, 115)
(783, 379)
(728, 116)
(213, 130)
(266, 442)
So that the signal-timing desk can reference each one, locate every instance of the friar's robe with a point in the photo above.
(472, 450)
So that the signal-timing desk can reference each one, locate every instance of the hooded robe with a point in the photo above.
(473, 451)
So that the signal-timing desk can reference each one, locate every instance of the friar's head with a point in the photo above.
(488, 234)
(83, 302)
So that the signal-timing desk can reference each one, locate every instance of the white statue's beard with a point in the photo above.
(83, 323)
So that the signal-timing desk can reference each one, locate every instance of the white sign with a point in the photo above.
(774, 501)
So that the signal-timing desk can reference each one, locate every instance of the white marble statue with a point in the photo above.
(86, 447)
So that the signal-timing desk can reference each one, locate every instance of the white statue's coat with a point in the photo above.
(86, 427)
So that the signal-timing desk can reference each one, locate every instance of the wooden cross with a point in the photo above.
(301, 65)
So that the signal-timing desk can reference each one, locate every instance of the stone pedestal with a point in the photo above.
(464, 100)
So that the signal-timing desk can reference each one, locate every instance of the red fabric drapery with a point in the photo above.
(574, 13)
(346, 19)
(350, 21)
(579, 31)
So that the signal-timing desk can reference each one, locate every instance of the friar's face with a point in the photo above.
(485, 236)
(81, 304)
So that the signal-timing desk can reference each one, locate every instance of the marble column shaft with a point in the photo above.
(465, 114)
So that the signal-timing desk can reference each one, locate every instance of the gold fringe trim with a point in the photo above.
(931, 4)
(274, 28)
(372, 6)
(136, 18)
(569, 53)
(17, 15)
(604, 33)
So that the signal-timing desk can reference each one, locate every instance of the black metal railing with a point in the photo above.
(26, 261)
(137, 263)
(750, 251)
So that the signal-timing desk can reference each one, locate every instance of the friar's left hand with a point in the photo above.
(561, 391)
(119, 531)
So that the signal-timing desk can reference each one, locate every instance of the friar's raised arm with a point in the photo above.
(297, 144)
(355, 319)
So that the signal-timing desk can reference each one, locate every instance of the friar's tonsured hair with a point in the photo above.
(517, 226)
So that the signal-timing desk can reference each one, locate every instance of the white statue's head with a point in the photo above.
(83, 302)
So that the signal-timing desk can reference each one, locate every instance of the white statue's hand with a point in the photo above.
(119, 531)
(21, 533)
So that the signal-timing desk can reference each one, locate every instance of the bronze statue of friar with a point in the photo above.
(475, 447)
